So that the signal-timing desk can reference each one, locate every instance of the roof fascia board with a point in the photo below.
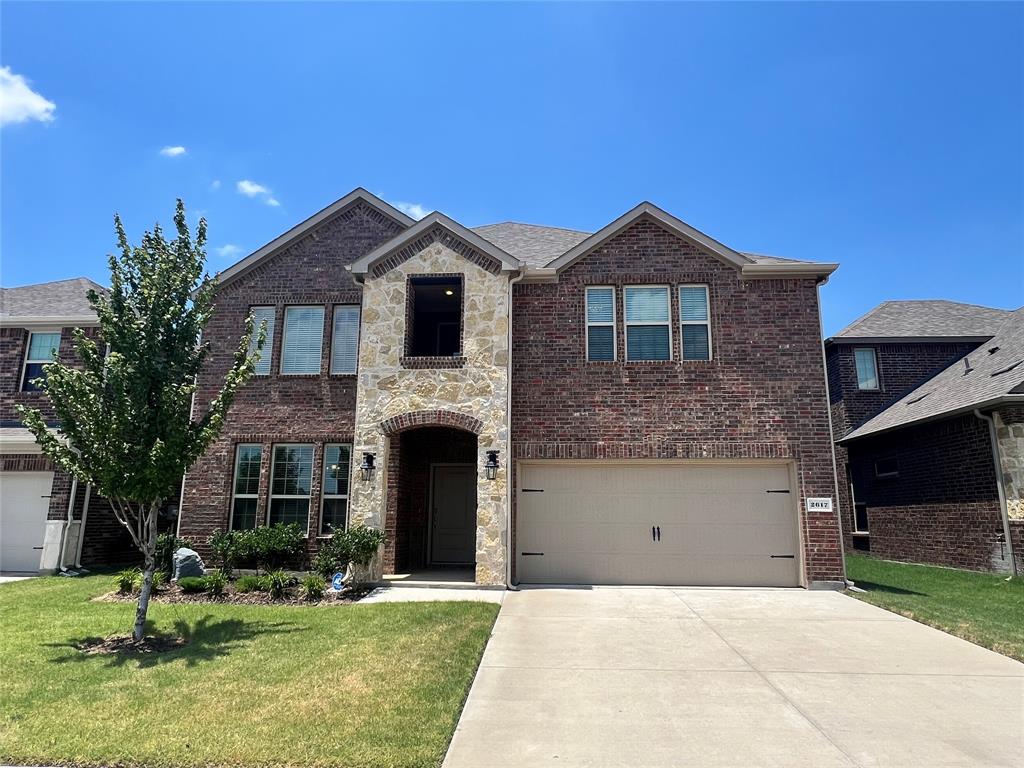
(363, 265)
(299, 230)
(845, 340)
(990, 403)
(667, 220)
(819, 270)
(36, 321)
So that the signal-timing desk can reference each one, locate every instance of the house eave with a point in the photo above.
(40, 321)
(853, 340)
(818, 271)
(993, 402)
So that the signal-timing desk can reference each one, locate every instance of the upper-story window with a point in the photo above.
(434, 316)
(42, 349)
(695, 322)
(648, 327)
(345, 339)
(600, 310)
(262, 315)
(867, 368)
(303, 340)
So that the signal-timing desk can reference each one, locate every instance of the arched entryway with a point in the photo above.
(431, 509)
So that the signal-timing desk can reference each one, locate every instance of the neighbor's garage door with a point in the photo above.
(647, 523)
(24, 502)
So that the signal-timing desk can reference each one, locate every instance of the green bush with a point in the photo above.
(166, 545)
(128, 581)
(159, 580)
(192, 584)
(313, 588)
(228, 548)
(269, 547)
(355, 545)
(252, 584)
(216, 583)
(278, 583)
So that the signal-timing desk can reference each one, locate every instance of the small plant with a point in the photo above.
(252, 584)
(216, 583)
(313, 588)
(363, 543)
(332, 557)
(192, 584)
(128, 581)
(278, 582)
(228, 547)
(355, 545)
(159, 580)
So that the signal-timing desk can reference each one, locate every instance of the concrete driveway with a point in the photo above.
(718, 677)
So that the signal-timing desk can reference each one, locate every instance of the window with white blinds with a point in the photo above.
(600, 308)
(648, 327)
(303, 340)
(262, 315)
(345, 339)
(695, 322)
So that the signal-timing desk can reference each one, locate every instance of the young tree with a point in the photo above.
(125, 415)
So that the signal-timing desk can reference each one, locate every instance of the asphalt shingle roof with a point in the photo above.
(915, 319)
(61, 298)
(532, 244)
(993, 370)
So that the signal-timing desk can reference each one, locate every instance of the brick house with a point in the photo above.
(927, 412)
(48, 520)
(516, 403)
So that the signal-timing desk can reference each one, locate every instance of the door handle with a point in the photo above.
(652, 534)
(659, 533)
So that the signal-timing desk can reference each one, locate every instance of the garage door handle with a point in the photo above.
(653, 537)
(659, 533)
(781, 490)
(782, 557)
(534, 554)
(36, 547)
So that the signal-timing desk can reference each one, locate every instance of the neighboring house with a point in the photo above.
(43, 511)
(919, 480)
(639, 405)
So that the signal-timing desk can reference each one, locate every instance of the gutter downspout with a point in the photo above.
(81, 526)
(508, 436)
(997, 466)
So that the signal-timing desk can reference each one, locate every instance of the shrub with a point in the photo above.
(356, 545)
(313, 588)
(332, 556)
(270, 547)
(166, 545)
(216, 583)
(252, 584)
(228, 548)
(192, 584)
(128, 580)
(363, 543)
(277, 584)
(159, 580)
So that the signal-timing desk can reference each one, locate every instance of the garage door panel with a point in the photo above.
(718, 524)
(24, 504)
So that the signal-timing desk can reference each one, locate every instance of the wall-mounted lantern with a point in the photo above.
(367, 467)
(491, 467)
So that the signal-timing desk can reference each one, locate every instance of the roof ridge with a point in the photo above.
(528, 224)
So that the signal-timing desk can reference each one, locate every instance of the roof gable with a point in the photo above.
(296, 233)
(431, 227)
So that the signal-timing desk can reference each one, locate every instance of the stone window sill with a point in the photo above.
(456, 361)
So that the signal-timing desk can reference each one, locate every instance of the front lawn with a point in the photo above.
(357, 685)
(981, 607)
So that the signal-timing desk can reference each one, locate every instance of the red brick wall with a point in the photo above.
(315, 408)
(762, 396)
(943, 508)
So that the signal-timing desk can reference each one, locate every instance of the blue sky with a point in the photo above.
(889, 138)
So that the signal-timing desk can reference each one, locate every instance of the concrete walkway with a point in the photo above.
(704, 677)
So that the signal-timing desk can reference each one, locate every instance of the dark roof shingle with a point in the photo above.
(57, 299)
(923, 319)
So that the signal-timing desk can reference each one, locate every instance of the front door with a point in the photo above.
(453, 514)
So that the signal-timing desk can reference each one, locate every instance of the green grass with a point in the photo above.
(370, 685)
(984, 608)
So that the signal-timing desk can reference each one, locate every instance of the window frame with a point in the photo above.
(26, 361)
(626, 323)
(334, 328)
(613, 324)
(270, 490)
(874, 362)
(284, 339)
(856, 529)
(234, 486)
(887, 475)
(706, 322)
(411, 281)
(268, 345)
(324, 496)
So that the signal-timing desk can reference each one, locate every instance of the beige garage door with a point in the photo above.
(24, 503)
(655, 523)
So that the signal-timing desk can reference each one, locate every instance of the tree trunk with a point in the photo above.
(148, 542)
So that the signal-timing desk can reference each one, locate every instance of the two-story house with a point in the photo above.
(637, 405)
(48, 520)
(927, 435)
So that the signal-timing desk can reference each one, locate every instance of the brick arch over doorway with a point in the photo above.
(433, 418)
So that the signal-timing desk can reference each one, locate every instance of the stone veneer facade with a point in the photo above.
(1010, 434)
(392, 395)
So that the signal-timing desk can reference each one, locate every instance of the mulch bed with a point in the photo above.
(127, 644)
(173, 594)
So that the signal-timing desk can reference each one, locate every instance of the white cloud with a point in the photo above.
(228, 251)
(19, 103)
(415, 210)
(252, 189)
(215, 184)
(177, 151)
